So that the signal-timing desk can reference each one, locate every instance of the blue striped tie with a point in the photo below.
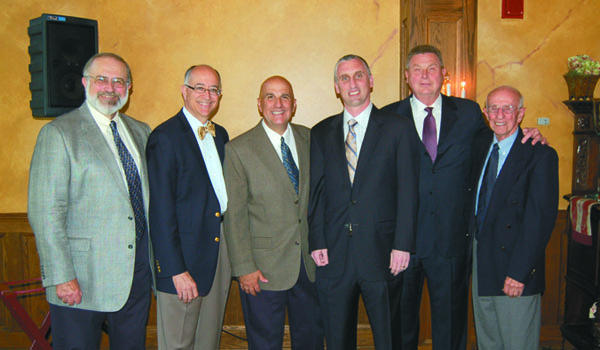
(133, 182)
(289, 164)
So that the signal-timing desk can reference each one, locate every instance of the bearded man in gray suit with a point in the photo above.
(88, 196)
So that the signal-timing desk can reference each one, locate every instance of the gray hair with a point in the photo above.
(505, 87)
(422, 49)
(188, 73)
(88, 65)
(350, 57)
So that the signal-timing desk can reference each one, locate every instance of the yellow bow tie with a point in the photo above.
(208, 128)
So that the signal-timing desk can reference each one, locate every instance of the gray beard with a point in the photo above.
(103, 108)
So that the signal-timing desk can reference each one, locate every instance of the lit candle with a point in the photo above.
(463, 93)
(448, 89)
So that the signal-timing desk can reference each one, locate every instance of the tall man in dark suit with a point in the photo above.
(266, 226)
(88, 196)
(363, 202)
(187, 203)
(516, 211)
(447, 127)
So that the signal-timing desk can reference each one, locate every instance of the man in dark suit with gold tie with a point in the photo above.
(363, 207)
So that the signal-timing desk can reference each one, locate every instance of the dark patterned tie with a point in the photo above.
(430, 134)
(133, 182)
(289, 164)
(351, 149)
(487, 186)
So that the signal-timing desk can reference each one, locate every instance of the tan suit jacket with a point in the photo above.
(80, 211)
(266, 224)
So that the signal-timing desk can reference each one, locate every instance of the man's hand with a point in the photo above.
(535, 135)
(249, 282)
(69, 292)
(320, 257)
(185, 286)
(513, 288)
(398, 261)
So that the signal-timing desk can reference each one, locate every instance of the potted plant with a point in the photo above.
(582, 77)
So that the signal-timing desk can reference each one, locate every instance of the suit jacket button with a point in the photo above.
(216, 239)
(508, 226)
(503, 248)
(296, 201)
(297, 243)
(130, 217)
(217, 214)
(130, 246)
(515, 202)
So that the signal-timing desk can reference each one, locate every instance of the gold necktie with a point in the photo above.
(208, 128)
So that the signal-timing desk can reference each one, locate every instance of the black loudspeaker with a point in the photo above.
(59, 47)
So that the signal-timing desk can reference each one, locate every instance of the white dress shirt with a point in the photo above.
(104, 124)
(211, 160)
(275, 139)
(419, 114)
(360, 128)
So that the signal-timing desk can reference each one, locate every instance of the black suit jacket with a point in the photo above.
(185, 215)
(519, 219)
(444, 186)
(382, 203)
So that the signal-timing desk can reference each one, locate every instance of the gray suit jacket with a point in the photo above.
(80, 211)
(266, 224)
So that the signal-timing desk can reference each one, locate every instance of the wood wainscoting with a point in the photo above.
(20, 261)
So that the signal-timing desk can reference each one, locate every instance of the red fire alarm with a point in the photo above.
(512, 9)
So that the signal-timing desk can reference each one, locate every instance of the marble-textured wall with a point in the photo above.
(246, 41)
(531, 54)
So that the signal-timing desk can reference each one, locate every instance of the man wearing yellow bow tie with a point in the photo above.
(187, 203)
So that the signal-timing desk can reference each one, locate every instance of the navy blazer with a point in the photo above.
(444, 187)
(184, 214)
(381, 206)
(519, 219)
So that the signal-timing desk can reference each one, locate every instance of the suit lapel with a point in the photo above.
(139, 140)
(369, 142)
(97, 142)
(517, 159)
(266, 153)
(303, 150)
(337, 140)
(190, 138)
(449, 118)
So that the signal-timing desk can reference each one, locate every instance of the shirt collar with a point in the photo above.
(101, 119)
(362, 118)
(275, 137)
(417, 105)
(505, 145)
(194, 122)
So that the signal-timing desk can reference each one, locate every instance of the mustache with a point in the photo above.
(109, 94)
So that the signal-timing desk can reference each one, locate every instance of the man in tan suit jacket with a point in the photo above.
(266, 228)
(88, 201)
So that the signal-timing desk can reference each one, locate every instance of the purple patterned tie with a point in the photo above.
(430, 134)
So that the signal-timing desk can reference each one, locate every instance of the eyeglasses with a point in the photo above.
(506, 109)
(201, 89)
(102, 81)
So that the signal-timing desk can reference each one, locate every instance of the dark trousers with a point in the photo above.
(79, 329)
(339, 297)
(448, 285)
(264, 315)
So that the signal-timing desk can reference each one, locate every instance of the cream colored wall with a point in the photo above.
(250, 40)
(246, 41)
(531, 54)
